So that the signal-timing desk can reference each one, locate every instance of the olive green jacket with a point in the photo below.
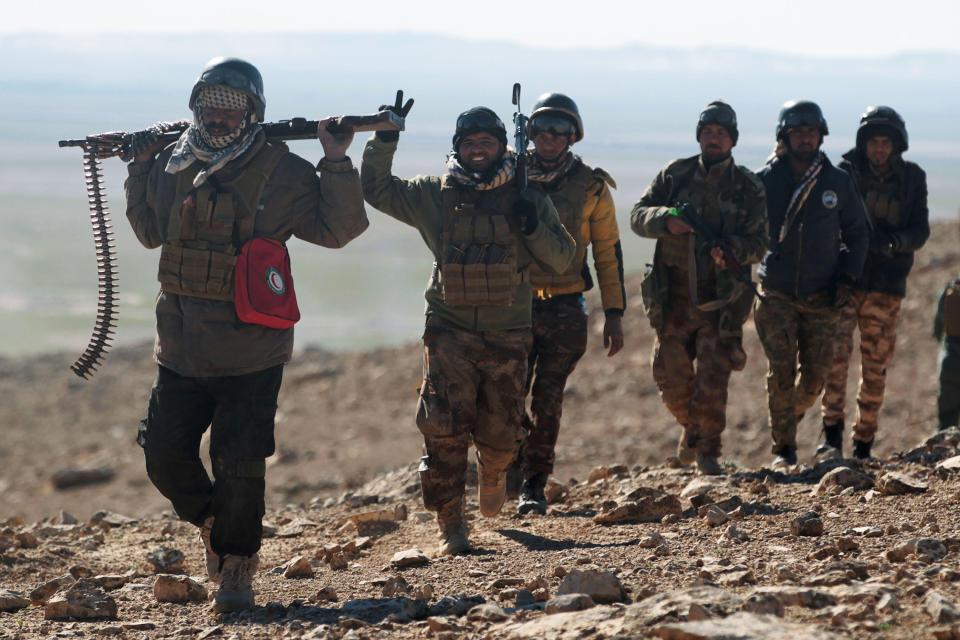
(417, 202)
(198, 337)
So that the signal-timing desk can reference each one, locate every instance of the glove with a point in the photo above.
(526, 213)
(144, 141)
(883, 243)
(843, 294)
(401, 110)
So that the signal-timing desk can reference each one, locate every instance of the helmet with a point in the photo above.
(881, 120)
(476, 120)
(236, 73)
(561, 104)
(719, 112)
(799, 113)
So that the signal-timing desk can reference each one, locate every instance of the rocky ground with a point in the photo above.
(825, 551)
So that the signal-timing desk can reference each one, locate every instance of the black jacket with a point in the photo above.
(810, 259)
(888, 273)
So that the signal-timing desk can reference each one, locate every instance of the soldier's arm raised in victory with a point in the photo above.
(414, 202)
(649, 216)
(549, 243)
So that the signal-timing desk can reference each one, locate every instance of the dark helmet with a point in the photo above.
(719, 112)
(236, 73)
(800, 113)
(881, 120)
(476, 120)
(561, 104)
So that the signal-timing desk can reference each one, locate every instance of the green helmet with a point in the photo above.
(881, 120)
(236, 73)
(477, 120)
(800, 113)
(719, 112)
(558, 103)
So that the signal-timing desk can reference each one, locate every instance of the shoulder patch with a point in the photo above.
(600, 174)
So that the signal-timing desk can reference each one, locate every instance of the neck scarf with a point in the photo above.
(801, 193)
(536, 172)
(501, 175)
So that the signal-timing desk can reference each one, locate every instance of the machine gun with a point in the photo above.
(107, 145)
(520, 139)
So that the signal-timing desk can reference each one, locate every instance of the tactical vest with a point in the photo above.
(209, 223)
(569, 198)
(478, 246)
(881, 198)
(951, 310)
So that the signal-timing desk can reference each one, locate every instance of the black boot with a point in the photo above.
(786, 456)
(832, 445)
(861, 450)
(531, 495)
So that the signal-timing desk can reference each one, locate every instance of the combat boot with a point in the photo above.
(708, 465)
(686, 454)
(832, 446)
(492, 489)
(532, 499)
(861, 449)
(235, 589)
(514, 479)
(212, 559)
(786, 457)
(453, 530)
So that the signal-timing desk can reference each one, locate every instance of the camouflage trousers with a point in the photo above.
(691, 366)
(559, 341)
(797, 337)
(948, 399)
(876, 315)
(472, 392)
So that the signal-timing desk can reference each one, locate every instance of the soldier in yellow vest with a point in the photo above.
(585, 204)
(199, 201)
(483, 234)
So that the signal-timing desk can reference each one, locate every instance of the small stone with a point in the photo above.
(298, 567)
(486, 613)
(539, 582)
(210, 632)
(166, 560)
(601, 586)
(927, 549)
(41, 594)
(559, 572)
(80, 571)
(178, 589)
(409, 558)
(764, 603)
(807, 524)
(652, 540)
(888, 604)
(26, 540)
(646, 510)
(12, 601)
(84, 600)
(110, 520)
(783, 573)
(541, 595)
(325, 594)
(715, 516)
(733, 534)
(139, 625)
(423, 592)
(868, 532)
(569, 602)
(500, 583)
(894, 484)
(338, 562)
(438, 624)
(396, 586)
(843, 478)
(524, 597)
(846, 544)
(554, 491)
(942, 610)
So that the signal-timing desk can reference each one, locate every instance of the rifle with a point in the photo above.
(107, 145)
(709, 240)
(520, 139)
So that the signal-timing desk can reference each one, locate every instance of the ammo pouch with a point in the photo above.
(568, 198)
(951, 311)
(654, 291)
(479, 261)
(208, 224)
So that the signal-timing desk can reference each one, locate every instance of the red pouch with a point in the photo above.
(263, 285)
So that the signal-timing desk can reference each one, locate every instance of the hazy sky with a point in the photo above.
(814, 27)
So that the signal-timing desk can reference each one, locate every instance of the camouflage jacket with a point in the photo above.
(198, 337)
(742, 223)
(418, 203)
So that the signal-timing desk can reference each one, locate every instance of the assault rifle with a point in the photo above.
(710, 240)
(520, 139)
(108, 145)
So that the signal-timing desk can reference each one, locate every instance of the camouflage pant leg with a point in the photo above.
(948, 398)
(446, 414)
(777, 322)
(835, 389)
(708, 406)
(559, 341)
(672, 364)
(878, 339)
(817, 331)
(501, 365)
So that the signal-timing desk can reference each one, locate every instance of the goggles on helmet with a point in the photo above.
(718, 116)
(552, 123)
(479, 119)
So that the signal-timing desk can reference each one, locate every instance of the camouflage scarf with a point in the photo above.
(536, 172)
(503, 174)
(801, 193)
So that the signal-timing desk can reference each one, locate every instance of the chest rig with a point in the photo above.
(882, 198)
(478, 246)
(208, 224)
(568, 197)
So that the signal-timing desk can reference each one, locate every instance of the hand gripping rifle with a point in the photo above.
(107, 145)
(520, 139)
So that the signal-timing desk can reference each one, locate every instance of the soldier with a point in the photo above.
(583, 200)
(946, 329)
(483, 233)
(895, 194)
(216, 188)
(730, 201)
(813, 209)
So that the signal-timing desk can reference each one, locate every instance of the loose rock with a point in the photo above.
(178, 589)
(807, 524)
(409, 558)
(12, 600)
(894, 484)
(940, 608)
(646, 510)
(41, 594)
(166, 560)
(842, 477)
(84, 600)
(601, 586)
(298, 567)
(486, 613)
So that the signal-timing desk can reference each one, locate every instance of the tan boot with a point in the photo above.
(708, 465)
(492, 490)
(235, 590)
(453, 530)
(213, 560)
(685, 453)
